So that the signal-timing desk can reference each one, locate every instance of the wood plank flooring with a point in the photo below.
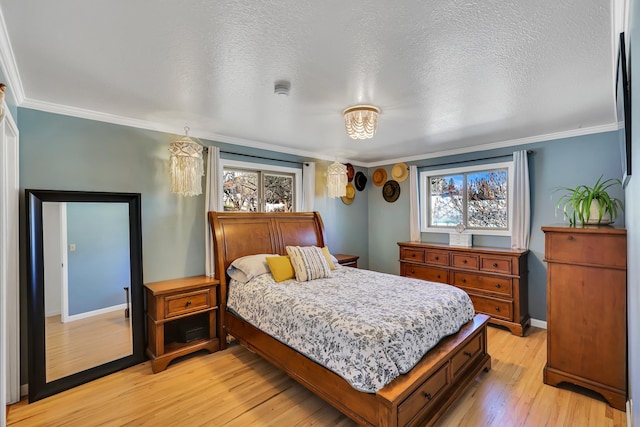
(75, 346)
(237, 388)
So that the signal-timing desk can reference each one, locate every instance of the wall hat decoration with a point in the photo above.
(391, 191)
(350, 196)
(400, 172)
(350, 171)
(379, 177)
(360, 181)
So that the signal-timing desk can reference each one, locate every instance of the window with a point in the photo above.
(479, 197)
(254, 187)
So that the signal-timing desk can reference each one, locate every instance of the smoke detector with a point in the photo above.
(282, 87)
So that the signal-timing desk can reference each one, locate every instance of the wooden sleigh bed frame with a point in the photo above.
(419, 397)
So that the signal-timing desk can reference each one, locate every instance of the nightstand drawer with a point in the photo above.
(498, 285)
(177, 305)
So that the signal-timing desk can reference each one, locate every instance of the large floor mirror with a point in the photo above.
(85, 298)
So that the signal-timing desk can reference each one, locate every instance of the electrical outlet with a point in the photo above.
(72, 247)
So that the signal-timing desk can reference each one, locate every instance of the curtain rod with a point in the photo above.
(473, 160)
(265, 158)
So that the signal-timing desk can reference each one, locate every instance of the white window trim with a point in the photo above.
(227, 163)
(424, 208)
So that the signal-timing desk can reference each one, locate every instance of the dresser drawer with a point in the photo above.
(493, 307)
(437, 257)
(183, 303)
(465, 261)
(428, 392)
(462, 359)
(432, 274)
(496, 264)
(499, 285)
(600, 250)
(409, 254)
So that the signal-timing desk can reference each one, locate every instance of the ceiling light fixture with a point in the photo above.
(337, 180)
(361, 121)
(186, 166)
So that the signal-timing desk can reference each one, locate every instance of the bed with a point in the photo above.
(418, 397)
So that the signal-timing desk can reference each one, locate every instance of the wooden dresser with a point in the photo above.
(494, 278)
(587, 309)
(182, 318)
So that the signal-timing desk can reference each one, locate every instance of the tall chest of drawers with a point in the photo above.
(494, 278)
(587, 309)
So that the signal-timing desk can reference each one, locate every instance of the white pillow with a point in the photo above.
(308, 262)
(247, 267)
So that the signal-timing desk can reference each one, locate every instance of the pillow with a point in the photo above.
(328, 256)
(247, 267)
(308, 262)
(281, 268)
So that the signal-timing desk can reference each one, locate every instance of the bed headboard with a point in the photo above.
(237, 234)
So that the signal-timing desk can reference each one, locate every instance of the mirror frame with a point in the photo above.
(39, 388)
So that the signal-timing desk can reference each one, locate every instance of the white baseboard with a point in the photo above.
(539, 323)
(629, 413)
(96, 312)
(24, 390)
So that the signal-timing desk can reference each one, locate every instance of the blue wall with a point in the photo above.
(99, 266)
(565, 162)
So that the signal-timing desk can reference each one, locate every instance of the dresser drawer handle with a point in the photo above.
(570, 238)
(188, 303)
(413, 255)
(413, 271)
(495, 265)
(427, 395)
(437, 258)
(467, 353)
(498, 309)
(464, 280)
(438, 276)
(498, 285)
(464, 261)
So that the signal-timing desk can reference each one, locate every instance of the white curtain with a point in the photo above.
(521, 202)
(212, 203)
(308, 186)
(414, 210)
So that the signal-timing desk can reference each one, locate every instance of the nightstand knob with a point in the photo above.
(188, 303)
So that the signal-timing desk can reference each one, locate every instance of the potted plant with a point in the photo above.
(590, 205)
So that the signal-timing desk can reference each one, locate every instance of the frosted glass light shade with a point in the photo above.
(337, 180)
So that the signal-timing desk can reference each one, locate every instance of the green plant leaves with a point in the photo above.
(576, 202)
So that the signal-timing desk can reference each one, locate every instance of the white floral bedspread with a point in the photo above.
(365, 326)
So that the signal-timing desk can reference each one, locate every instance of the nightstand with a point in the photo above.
(181, 316)
(347, 260)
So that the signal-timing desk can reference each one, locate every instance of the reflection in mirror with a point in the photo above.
(78, 301)
(85, 301)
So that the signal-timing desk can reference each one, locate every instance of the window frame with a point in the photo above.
(424, 179)
(263, 168)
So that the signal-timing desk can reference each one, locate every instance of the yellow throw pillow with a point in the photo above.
(281, 268)
(327, 255)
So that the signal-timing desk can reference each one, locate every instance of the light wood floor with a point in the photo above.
(82, 344)
(237, 388)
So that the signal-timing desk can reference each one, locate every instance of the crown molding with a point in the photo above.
(8, 64)
(502, 144)
(160, 127)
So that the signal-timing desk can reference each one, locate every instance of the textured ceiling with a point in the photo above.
(446, 74)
